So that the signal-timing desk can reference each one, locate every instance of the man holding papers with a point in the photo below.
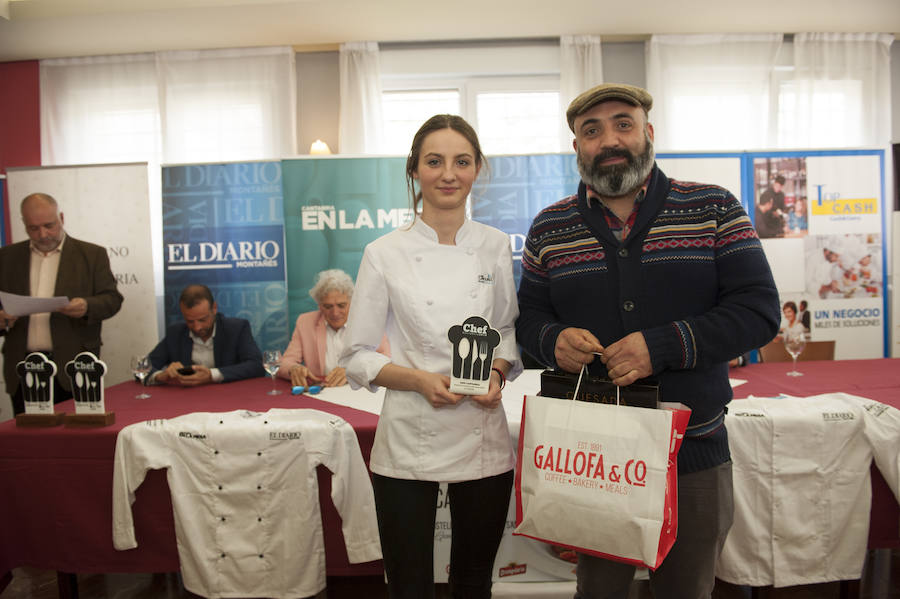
(52, 264)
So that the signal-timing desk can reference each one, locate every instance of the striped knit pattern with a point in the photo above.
(698, 222)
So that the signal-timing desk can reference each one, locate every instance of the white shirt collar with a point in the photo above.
(464, 236)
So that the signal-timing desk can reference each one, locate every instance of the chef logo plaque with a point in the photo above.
(36, 374)
(86, 372)
(473, 343)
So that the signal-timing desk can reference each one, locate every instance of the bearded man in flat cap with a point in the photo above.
(665, 279)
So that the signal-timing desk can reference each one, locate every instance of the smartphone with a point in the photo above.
(186, 370)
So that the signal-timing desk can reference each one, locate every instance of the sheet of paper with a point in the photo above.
(736, 382)
(21, 305)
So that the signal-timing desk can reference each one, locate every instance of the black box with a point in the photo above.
(594, 389)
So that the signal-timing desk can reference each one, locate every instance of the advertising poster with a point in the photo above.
(820, 218)
(223, 227)
(333, 207)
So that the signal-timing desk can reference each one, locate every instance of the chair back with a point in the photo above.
(815, 350)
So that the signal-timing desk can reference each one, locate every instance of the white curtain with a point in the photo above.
(99, 110)
(840, 92)
(204, 106)
(228, 105)
(580, 68)
(361, 123)
(713, 91)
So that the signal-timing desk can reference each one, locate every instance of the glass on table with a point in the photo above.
(795, 343)
(271, 362)
(140, 367)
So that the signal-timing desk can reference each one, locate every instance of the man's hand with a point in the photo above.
(171, 376)
(76, 308)
(168, 374)
(575, 347)
(628, 359)
(6, 320)
(201, 376)
(336, 377)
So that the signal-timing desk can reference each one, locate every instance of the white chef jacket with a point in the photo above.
(245, 497)
(414, 289)
(802, 490)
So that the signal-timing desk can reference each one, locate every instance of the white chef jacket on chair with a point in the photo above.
(245, 497)
(802, 489)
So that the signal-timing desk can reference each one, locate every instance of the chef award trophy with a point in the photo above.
(473, 354)
(87, 371)
(36, 374)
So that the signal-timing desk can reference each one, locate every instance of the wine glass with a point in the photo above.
(140, 367)
(794, 343)
(271, 362)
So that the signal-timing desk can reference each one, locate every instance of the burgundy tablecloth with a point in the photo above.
(56, 483)
(874, 379)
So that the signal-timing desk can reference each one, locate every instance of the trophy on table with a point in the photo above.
(36, 374)
(86, 372)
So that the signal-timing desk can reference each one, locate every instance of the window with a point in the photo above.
(518, 122)
(405, 111)
(508, 92)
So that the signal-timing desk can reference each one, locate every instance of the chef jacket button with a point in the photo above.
(429, 302)
(220, 487)
(223, 518)
(221, 421)
(418, 258)
(259, 519)
(477, 431)
(223, 555)
(628, 305)
(623, 253)
(258, 453)
(216, 452)
(260, 556)
(258, 487)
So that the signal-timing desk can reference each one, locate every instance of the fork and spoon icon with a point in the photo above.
(471, 353)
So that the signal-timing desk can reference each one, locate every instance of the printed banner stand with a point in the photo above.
(87, 373)
(36, 374)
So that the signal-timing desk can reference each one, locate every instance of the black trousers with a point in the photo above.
(406, 516)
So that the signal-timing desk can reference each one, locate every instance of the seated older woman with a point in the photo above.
(311, 358)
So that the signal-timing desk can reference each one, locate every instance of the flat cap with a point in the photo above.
(630, 94)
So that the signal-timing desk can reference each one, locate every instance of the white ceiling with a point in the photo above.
(62, 28)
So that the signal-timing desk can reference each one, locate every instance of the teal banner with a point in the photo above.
(333, 207)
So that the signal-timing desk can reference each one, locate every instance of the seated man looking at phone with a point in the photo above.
(206, 348)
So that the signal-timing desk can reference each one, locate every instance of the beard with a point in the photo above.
(618, 179)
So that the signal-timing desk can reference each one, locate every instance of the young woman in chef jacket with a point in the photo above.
(413, 285)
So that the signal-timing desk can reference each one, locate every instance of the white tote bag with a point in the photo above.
(600, 478)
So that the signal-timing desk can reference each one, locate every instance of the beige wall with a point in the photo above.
(318, 105)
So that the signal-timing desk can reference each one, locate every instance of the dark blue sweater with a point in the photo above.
(691, 276)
